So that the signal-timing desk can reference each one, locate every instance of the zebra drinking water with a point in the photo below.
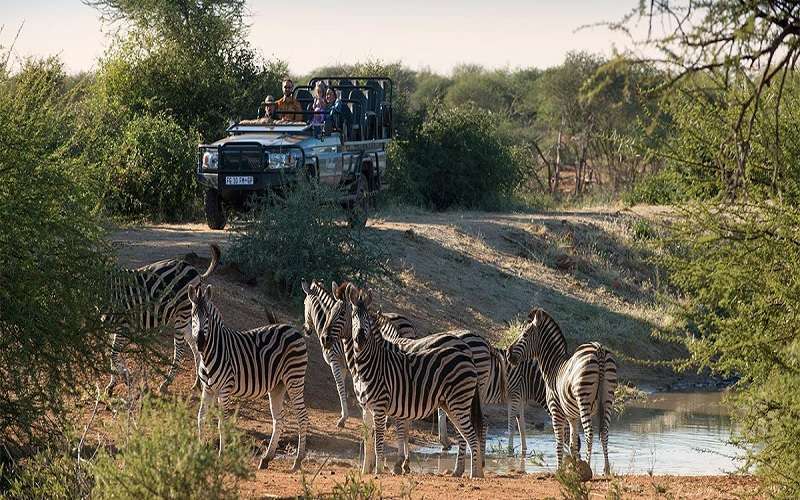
(412, 385)
(270, 360)
(578, 386)
(148, 298)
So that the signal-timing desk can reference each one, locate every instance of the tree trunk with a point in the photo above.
(557, 173)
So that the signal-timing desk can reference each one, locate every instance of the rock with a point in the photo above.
(584, 470)
(565, 262)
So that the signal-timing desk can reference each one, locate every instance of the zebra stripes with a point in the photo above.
(151, 297)
(390, 381)
(525, 383)
(270, 360)
(317, 304)
(578, 386)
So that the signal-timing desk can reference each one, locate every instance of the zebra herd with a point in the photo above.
(395, 372)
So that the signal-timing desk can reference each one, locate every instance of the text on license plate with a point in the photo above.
(239, 180)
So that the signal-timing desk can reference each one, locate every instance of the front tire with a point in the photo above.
(215, 212)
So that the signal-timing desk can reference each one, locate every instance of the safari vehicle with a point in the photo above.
(348, 153)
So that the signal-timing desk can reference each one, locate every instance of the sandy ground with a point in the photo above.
(467, 270)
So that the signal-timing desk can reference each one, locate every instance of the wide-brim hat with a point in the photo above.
(269, 100)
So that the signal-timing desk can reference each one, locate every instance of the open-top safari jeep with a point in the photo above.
(348, 153)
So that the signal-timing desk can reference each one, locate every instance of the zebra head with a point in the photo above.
(361, 319)
(310, 304)
(527, 344)
(200, 296)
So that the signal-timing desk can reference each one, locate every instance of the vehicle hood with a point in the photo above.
(271, 139)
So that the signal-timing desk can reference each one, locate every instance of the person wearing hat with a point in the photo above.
(269, 114)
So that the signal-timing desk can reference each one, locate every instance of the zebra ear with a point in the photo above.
(342, 291)
(192, 294)
(532, 314)
(305, 287)
(368, 298)
(351, 292)
(207, 292)
(334, 286)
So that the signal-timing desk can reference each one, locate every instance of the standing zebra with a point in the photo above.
(487, 359)
(317, 305)
(525, 383)
(578, 386)
(150, 297)
(390, 381)
(270, 360)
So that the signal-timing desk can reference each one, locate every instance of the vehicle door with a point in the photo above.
(329, 157)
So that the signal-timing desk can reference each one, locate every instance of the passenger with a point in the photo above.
(339, 110)
(289, 103)
(320, 106)
(269, 114)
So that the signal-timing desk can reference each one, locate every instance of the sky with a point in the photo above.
(423, 34)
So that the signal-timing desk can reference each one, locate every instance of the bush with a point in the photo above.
(163, 458)
(456, 159)
(150, 171)
(51, 474)
(661, 188)
(299, 236)
(52, 258)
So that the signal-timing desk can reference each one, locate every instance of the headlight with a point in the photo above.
(284, 160)
(211, 160)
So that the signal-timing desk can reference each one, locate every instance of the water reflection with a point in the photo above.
(669, 433)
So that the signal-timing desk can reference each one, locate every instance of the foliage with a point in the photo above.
(456, 159)
(162, 458)
(150, 172)
(355, 488)
(662, 188)
(301, 236)
(52, 258)
(51, 474)
(569, 480)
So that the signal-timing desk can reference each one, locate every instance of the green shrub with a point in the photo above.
(51, 475)
(150, 170)
(52, 257)
(299, 236)
(661, 188)
(163, 458)
(456, 159)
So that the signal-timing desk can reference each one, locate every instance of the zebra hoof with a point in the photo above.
(264, 463)
(406, 467)
(397, 469)
(457, 472)
(297, 465)
(341, 422)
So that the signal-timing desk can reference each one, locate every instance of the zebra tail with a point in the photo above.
(500, 364)
(601, 393)
(476, 412)
(215, 253)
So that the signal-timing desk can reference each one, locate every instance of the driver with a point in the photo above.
(289, 103)
(269, 114)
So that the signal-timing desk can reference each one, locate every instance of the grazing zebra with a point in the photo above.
(270, 360)
(390, 381)
(317, 304)
(488, 361)
(578, 386)
(150, 297)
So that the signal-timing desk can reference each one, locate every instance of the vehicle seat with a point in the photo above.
(306, 100)
(374, 101)
(359, 108)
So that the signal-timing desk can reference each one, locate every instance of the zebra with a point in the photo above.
(316, 306)
(270, 360)
(151, 297)
(391, 381)
(486, 358)
(578, 386)
(525, 383)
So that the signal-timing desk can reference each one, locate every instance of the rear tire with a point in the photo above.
(215, 212)
(359, 208)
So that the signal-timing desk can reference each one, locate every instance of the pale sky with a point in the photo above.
(422, 34)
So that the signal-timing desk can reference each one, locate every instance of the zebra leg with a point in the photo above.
(177, 355)
(512, 415)
(205, 397)
(463, 424)
(588, 432)
(341, 388)
(521, 423)
(276, 396)
(187, 337)
(443, 439)
(380, 431)
(558, 430)
(604, 417)
(574, 440)
(401, 426)
(299, 405)
(224, 411)
(369, 436)
(118, 367)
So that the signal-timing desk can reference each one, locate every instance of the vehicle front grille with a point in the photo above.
(243, 157)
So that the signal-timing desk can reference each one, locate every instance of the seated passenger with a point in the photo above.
(269, 114)
(339, 114)
(320, 106)
(289, 103)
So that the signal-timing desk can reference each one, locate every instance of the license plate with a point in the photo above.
(239, 180)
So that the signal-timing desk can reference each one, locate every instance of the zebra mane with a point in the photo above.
(549, 331)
